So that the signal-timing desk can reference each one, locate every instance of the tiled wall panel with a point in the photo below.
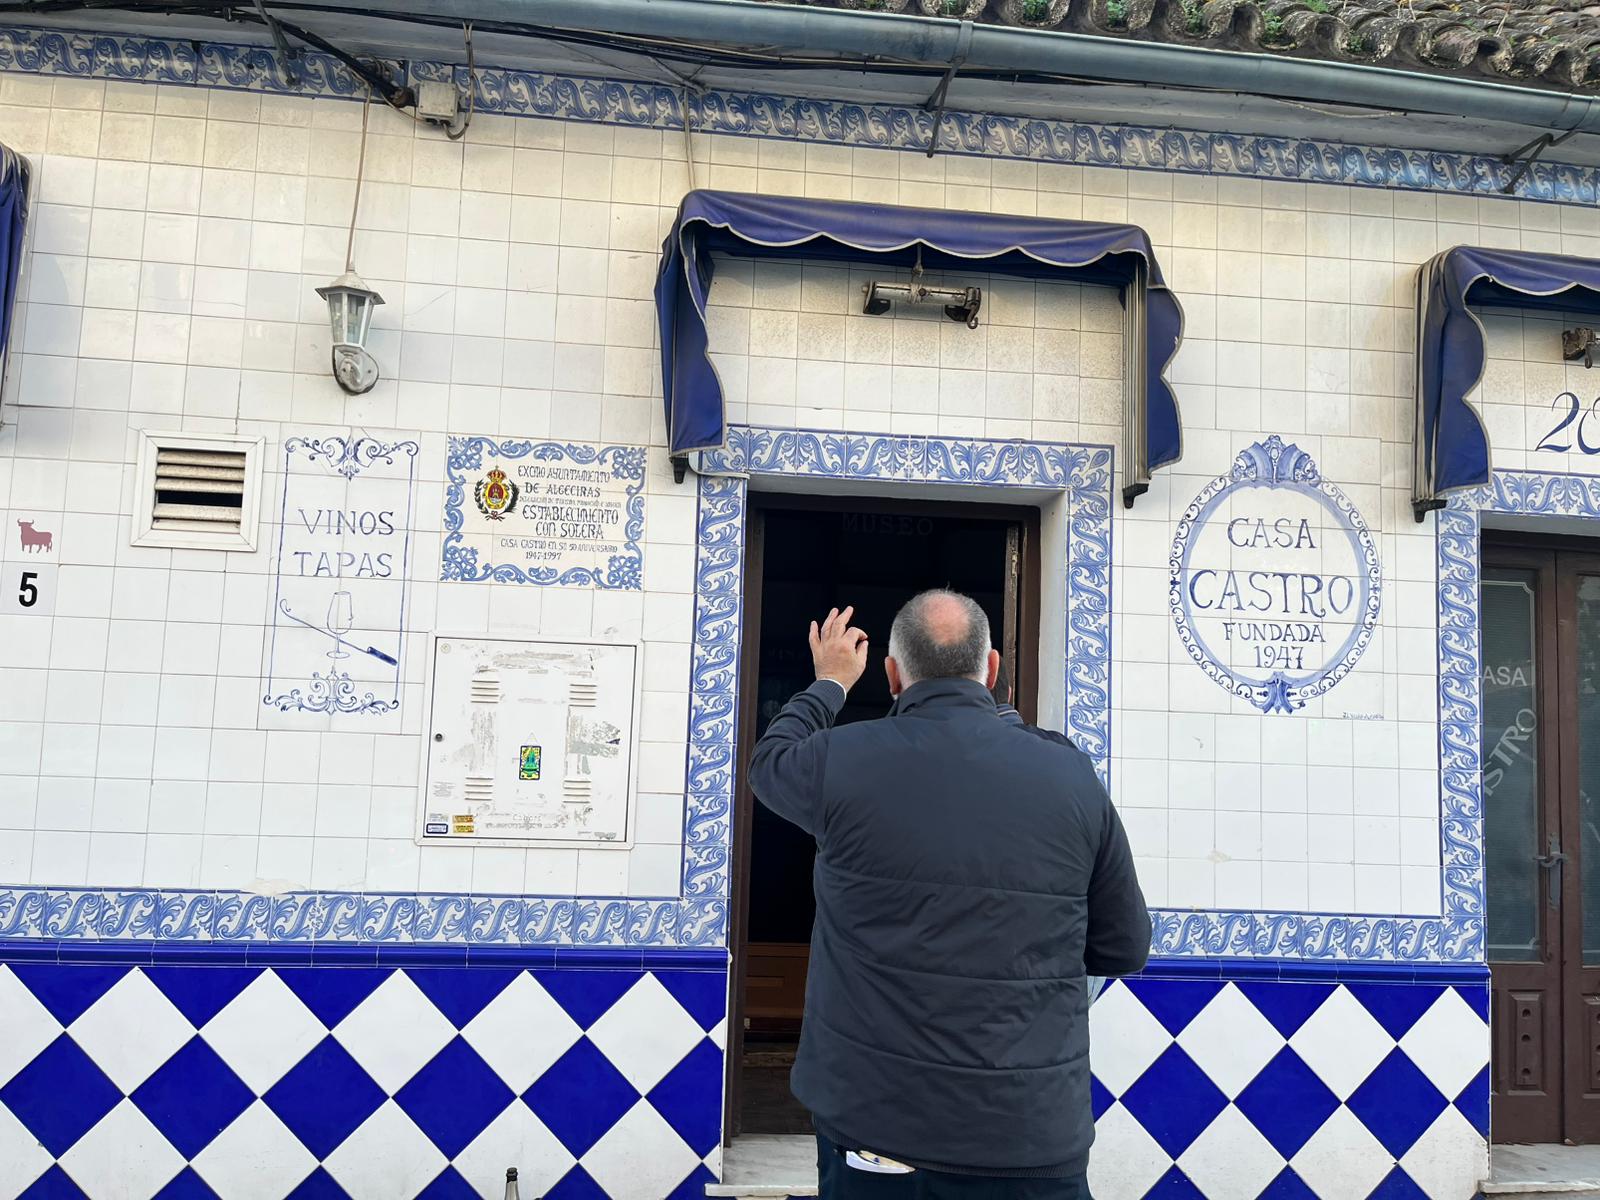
(178, 235)
(365, 1082)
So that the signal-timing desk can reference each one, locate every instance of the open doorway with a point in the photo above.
(804, 556)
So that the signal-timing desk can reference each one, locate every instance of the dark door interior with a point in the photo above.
(1541, 792)
(804, 556)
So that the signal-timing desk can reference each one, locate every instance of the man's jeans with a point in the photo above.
(839, 1181)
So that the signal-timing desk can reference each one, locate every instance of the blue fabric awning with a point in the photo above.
(767, 226)
(13, 221)
(1452, 450)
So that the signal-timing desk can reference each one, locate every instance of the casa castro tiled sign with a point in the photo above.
(1275, 579)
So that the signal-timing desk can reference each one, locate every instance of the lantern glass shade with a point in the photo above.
(350, 306)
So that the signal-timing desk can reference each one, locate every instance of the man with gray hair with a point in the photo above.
(971, 874)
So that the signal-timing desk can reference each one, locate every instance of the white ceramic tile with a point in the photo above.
(131, 1030)
(263, 1032)
(123, 1155)
(515, 1136)
(1129, 1161)
(30, 1028)
(1342, 1043)
(393, 1032)
(645, 1034)
(640, 1152)
(1231, 1158)
(256, 1155)
(20, 1149)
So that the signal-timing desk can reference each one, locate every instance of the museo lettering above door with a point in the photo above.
(1541, 791)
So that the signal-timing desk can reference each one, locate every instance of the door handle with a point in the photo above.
(1550, 864)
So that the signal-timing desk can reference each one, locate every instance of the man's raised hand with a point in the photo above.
(838, 648)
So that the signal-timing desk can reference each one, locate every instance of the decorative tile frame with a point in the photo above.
(1275, 464)
(459, 562)
(1458, 934)
(1521, 493)
(335, 691)
(1083, 473)
(740, 114)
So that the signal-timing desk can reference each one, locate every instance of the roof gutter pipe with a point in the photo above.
(936, 42)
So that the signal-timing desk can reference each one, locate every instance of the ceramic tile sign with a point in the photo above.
(333, 649)
(29, 546)
(1275, 582)
(529, 742)
(560, 514)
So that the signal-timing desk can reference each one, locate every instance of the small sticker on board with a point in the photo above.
(435, 828)
(528, 763)
(462, 823)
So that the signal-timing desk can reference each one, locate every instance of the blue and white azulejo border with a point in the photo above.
(1082, 472)
(840, 123)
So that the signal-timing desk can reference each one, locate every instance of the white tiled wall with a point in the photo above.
(1537, 407)
(177, 238)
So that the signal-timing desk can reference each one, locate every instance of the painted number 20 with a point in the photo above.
(1570, 417)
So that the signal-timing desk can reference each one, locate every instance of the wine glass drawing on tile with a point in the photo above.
(341, 620)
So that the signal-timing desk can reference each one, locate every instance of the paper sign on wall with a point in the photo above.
(530, 742)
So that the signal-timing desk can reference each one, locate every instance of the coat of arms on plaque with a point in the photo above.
(495, 495)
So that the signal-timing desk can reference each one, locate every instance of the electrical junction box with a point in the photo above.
(438, 103)
(530, 743)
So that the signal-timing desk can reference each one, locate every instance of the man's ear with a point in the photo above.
(892, 670)
(993, 671)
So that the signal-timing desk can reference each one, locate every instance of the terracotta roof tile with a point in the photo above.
(1547, 43)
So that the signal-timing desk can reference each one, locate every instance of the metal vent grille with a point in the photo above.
(485, 689)
(199, 491)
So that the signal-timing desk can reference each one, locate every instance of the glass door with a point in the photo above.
(1540, 613)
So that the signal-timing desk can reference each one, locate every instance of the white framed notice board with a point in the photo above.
(529, 743)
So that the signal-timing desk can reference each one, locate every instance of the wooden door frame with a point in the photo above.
(1521, 1117)
(1025, 683)
(755, 525)
(1579, 984)
(1026, 676)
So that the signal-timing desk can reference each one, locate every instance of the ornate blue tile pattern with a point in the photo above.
(1456, 935)
(423, 1086)
(1081, 473)
(429, 1081)
(1525, 493)
(649, 105)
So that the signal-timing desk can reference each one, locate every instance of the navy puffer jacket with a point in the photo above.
(970, 873)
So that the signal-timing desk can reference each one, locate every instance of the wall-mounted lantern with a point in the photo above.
(350, 300)
(350, 305)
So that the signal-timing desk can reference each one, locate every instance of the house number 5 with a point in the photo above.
(1570, 402)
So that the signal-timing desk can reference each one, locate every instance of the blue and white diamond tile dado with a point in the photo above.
(1277, 1089)
(357, 1081)
(154, 1082)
